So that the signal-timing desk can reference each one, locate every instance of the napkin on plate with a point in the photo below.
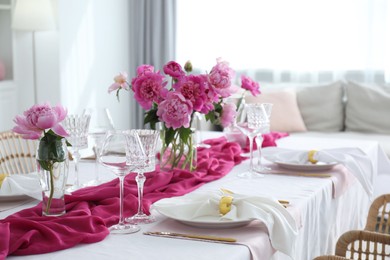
(354, 159)
(281, 225)
(21, 184)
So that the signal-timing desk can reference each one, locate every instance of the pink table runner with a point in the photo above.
(91, 210)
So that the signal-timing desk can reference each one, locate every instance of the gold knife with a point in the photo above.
(191, 236)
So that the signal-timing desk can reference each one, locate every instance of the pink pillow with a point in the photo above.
(285, 116)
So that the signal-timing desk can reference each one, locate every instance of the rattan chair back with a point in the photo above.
(330, 257)
(17, 155)
(379, 215)
(362, 244)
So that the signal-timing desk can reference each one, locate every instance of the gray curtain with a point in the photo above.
(152, 41)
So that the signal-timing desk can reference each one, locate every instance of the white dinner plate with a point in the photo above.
(320, 166)
(213, 222)
(10, 198)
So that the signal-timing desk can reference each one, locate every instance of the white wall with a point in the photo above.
(76, 64)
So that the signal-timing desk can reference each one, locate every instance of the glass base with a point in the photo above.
(140, 219)
(261, 169)
(73, 187)
(93, 183)
(124, 229)
(250, 175)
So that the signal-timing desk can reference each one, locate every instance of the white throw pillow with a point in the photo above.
(285, 116)
(367, 108)
(322, 107)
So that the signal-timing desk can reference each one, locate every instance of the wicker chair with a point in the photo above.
(362, 244)
(17, 155)
(379, 215)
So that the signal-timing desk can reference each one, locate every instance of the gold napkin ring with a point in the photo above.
(225, 204)
(311, 156)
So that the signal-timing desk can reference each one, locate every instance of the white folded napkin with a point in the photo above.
(281, 225)
(22, 184)
(354, 159)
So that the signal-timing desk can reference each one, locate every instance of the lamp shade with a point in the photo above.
(33, 15)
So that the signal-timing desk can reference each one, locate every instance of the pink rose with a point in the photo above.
(142, 69)
(120, 81)
(175, 111)
(228, 114)
(192, 88)
(248, 84)
(149, 88)
(39, 118)
(220, 78)
(174, 70)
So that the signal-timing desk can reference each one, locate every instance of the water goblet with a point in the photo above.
(77, 128)
(101, 122)
(259, 139)
(117, 154)
(253, 118)
(149, 140)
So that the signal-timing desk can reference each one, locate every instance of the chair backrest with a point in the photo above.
(378, 219)
(330, 257)
(17, 155)
(362, 244)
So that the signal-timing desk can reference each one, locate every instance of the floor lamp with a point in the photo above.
(33, 16)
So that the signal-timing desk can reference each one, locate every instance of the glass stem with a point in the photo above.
(259, 143)
(251, 153)
(140, 178)
(121, 218)
(96, 152)
(76, 158)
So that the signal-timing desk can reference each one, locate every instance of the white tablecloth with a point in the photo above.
(323, 218)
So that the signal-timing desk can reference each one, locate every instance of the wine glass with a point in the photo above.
(77, 128)
(259, 139)
(101, 122)
(251, 124)
(117, 154)
(148, 139)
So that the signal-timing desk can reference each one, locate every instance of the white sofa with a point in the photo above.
(346, 110)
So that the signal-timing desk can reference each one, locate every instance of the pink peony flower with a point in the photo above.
(149, 88)
(174, 70)
(141, 70)
(120, 81)
(228, 114)
(220, 78)
(248, 84)
(175, 111)
(193, 88)
(39, 118)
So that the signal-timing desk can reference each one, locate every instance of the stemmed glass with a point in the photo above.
(118, 154)
(77, 128)
(252, 123)
(101, 123)
(259, 139)
(148, 139)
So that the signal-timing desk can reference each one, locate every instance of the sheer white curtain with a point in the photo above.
(280, 41)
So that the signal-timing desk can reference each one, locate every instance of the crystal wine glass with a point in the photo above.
(77, 128)
(101, 123)
(148, 139)
(254, 116)
(117, 154)
(259, 139)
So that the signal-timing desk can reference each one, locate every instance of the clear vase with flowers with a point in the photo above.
(42, 122)
(174, 105)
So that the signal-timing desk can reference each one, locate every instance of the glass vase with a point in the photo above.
(53, 166)
(178, 149)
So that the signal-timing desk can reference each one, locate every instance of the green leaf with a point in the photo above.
(151, 118)
(169, 135)
(184, 134)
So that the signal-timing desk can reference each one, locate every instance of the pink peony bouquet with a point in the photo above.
(175, 104)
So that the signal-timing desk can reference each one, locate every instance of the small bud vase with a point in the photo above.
(53, 165)
(178, 149)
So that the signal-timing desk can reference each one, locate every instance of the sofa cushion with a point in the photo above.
(322, 107)
(285, 116)
(367, 108)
